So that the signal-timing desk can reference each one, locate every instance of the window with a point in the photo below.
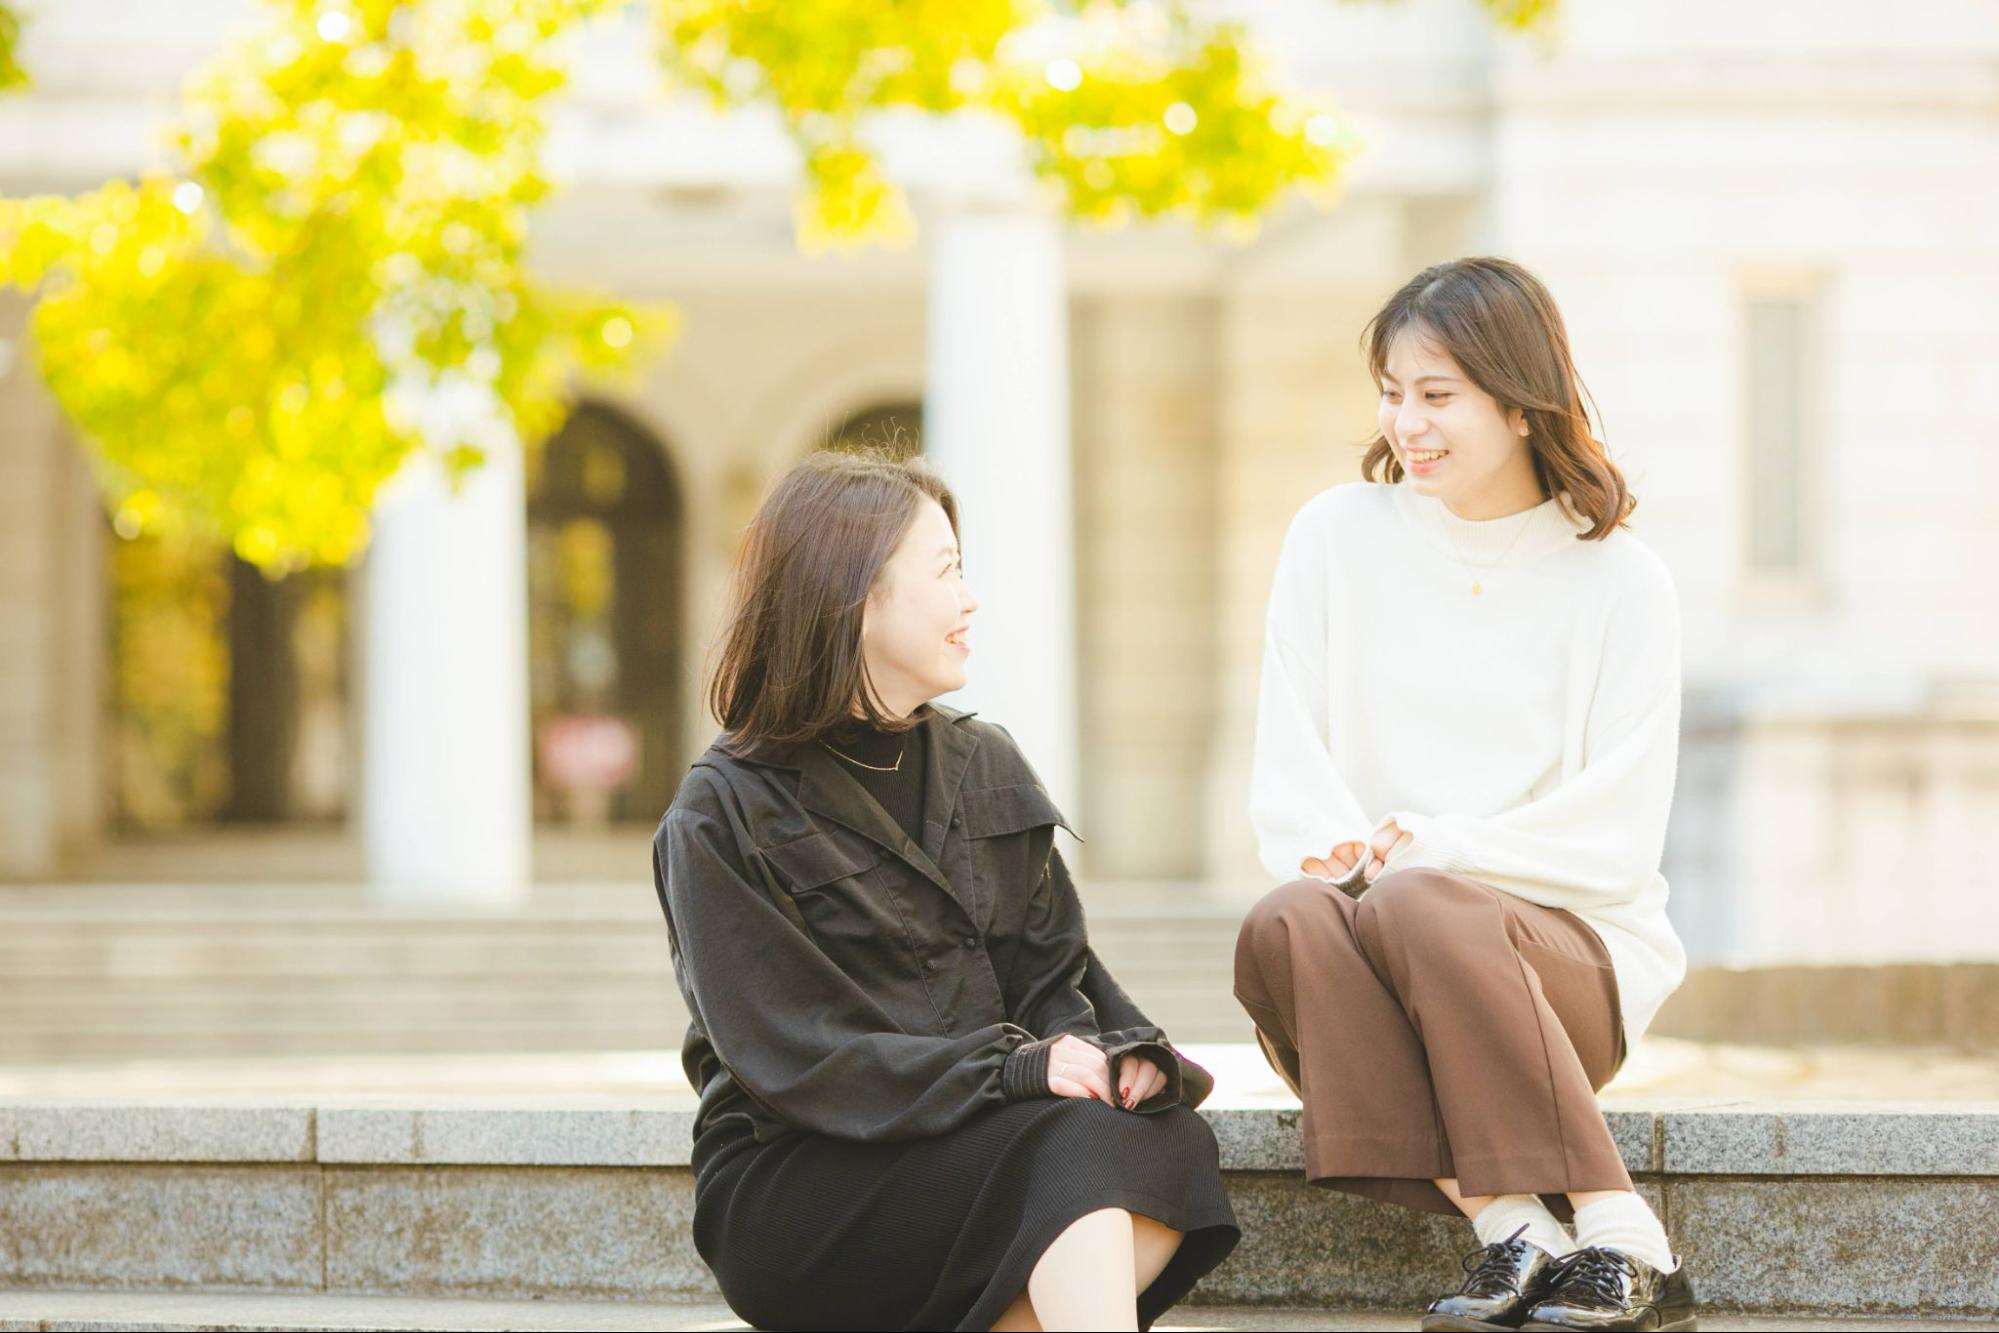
(1778, 328)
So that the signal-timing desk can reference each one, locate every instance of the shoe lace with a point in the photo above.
(1594, 1272)
(1495, 1268)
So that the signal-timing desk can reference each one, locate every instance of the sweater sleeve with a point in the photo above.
(1299, 802)
(1596, 839)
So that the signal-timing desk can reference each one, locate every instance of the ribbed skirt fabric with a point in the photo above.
(812, 1232)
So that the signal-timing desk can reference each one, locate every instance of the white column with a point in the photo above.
(31, 687)
(445, 803)
(996, 425)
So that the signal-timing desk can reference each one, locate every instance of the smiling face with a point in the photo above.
(913, 627)
(1455, 441)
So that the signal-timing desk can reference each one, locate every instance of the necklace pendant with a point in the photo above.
(1477, 588)
(895, 767)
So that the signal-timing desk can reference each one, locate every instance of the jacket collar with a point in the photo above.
(826, 788)
(943, 722)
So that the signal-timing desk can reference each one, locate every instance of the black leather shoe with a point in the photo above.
(1506, 1280)
(1605, 1289)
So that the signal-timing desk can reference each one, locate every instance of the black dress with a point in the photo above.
(876, 1146)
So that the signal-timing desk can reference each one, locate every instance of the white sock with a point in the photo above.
(1625, 1222)
(1507, 1213)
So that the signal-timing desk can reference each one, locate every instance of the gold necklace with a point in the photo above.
(1477, 586)
(878, 768)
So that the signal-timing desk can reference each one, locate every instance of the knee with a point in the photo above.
(1414, 902)
(1267, 928)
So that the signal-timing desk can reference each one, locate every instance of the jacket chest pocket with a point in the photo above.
(1011, 831)
(843, 892)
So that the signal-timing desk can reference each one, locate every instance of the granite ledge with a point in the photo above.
(1910, 1139)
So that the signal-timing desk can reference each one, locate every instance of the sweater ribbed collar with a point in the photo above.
(1528, 535)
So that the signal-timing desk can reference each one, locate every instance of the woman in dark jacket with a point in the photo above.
(924, 1103)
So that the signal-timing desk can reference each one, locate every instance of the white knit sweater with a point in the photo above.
(1526, 736)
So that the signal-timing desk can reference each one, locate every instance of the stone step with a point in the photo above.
(1816, 1210)
(334, 950)
(461, 967)
(174, 1311)
(272, 1001)
(174, 971)
(225, 902)
(641, 1020)
(1202, 1020)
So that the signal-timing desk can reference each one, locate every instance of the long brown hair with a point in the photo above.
(790, 667)
(1502, 328)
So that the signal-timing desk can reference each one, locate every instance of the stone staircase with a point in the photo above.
(354, 1205)
(92, 972)
(106, 972)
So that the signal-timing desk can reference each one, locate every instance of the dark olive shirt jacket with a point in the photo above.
(843, 979)
(872, 1007)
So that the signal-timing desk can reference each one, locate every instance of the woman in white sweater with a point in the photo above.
(1465, 747)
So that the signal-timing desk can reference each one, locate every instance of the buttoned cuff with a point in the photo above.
(1024, 1075)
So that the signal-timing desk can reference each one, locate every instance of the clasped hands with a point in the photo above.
(1339, 863)
(1078, 1069)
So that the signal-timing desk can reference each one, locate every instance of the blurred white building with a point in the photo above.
(1773, 229)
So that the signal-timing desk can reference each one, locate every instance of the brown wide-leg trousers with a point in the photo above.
(1437, 1028)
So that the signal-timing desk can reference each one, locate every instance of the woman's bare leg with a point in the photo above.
(1018, 1317)
(1584, 1198)
(1076, 1284)
(1470, 1206)
(1153, 1246)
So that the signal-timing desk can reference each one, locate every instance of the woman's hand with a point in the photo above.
(1386, 844)
(1078, 1069)
(1336, 864)
(1138, 1079)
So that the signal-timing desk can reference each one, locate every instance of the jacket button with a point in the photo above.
(971, 942)
(956, 820)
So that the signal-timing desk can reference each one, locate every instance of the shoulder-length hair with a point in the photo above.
(790, 667)
(1499, 323)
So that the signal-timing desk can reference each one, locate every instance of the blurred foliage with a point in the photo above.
(11, 73)
(1524, 15)
(331, 281)
(1127, 108)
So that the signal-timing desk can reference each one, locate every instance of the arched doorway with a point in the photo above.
(605, 639)
(897, 427)
(227, 691)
